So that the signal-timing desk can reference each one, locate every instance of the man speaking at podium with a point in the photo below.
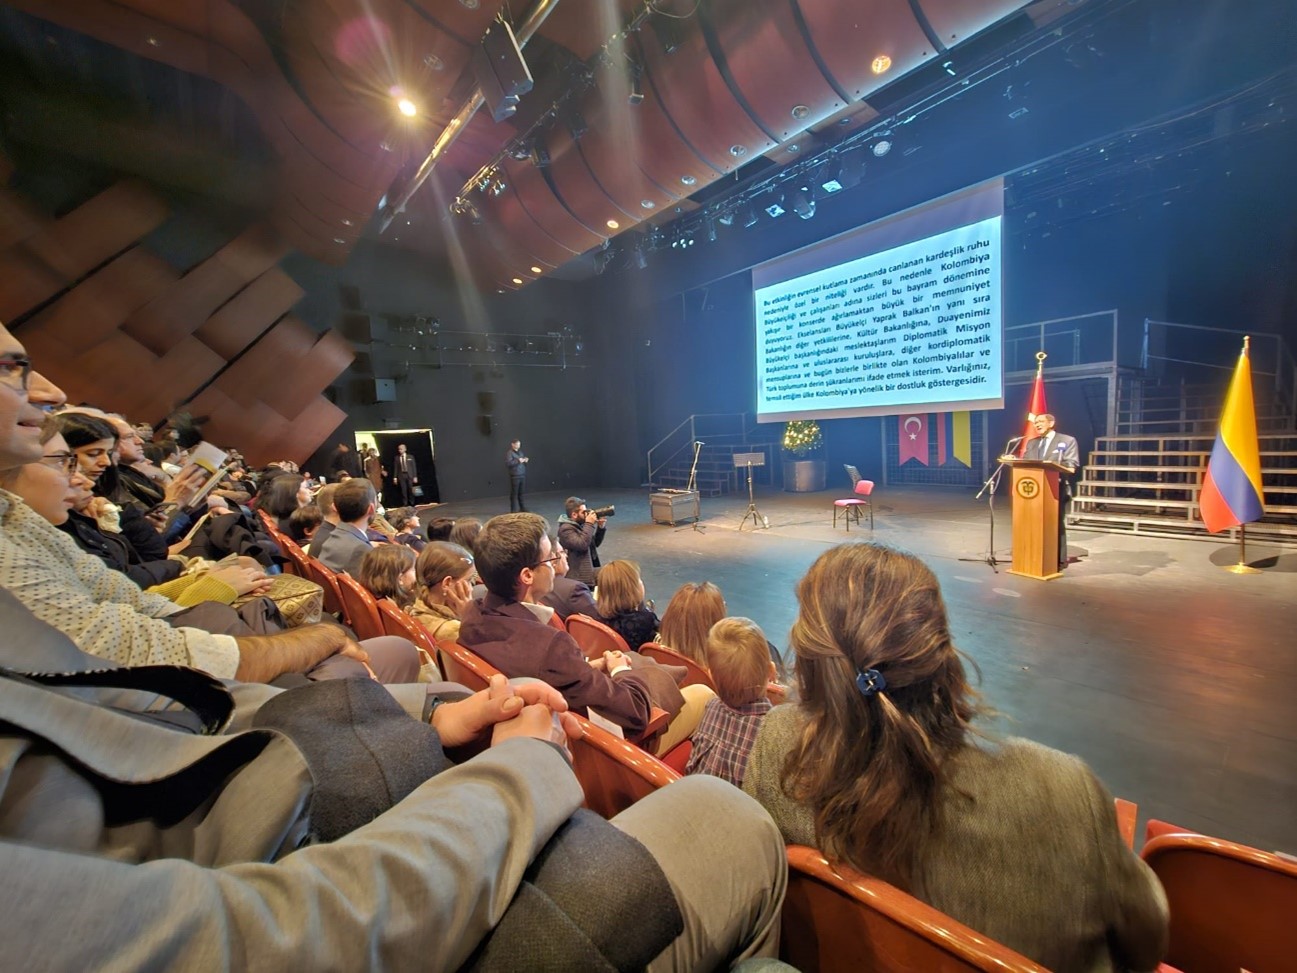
(1060, 448)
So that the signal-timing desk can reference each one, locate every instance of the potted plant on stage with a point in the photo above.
(803, 456)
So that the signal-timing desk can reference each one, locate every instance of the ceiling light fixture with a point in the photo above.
(882, 147)
(803, 205)
(517, 280)
(613, 225)
(688, 180)
(776, 207)
(536, 270)
(880, 64)
(406, 107)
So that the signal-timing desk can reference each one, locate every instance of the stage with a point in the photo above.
(1174, 678)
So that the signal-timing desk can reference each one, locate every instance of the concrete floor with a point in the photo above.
(1175, 679)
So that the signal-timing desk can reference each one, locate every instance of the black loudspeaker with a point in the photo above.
(500, 71)
(485, 424)
(486, 402)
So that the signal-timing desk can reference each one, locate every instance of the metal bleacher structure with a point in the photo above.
(722, 435)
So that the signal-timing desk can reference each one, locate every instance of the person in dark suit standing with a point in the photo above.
(517, 464)
(1060, 448)
(405, 476)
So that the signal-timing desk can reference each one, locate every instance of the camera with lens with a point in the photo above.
(602, 512)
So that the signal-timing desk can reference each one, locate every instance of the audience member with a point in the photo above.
(880, 766)
(507, 628)
(281, 496)
(329, 518)
(693, 610)
(439, 528)
(740, 666)
(387, 571)
(568, 597)
(465, 532)
(620, 598)
(444, 574)
(581, 532)
(409, 531)
(304, 522)
(347, 544)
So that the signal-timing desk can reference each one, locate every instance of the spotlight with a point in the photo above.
(498, 187)
(803, 205)
(750, 217)
(948, 67)
(776, 207)
(880, 64)
(829, 178)
(881, 148)
(539, 156)
(636, 96)
(406, 107)
(726, 218)
(711, 231)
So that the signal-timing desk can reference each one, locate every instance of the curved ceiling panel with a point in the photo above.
(954, 21)
(702, 106)
(543, 250)
(463, 21)
(572, 182)
(535, 195)
(605, 154)
(760, 46)
(849, 42)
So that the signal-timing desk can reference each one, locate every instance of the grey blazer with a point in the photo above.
(343, 549)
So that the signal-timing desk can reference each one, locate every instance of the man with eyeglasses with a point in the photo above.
(221, 852)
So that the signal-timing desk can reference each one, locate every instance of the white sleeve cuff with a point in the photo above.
(214, 654)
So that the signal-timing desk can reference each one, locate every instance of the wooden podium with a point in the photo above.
(1035, 517)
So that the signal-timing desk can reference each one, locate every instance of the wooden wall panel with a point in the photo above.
(19, 219)
(328, 357)
(25, 283)
(173, 377)
(244, 318)
(309, 430)
(95, 308)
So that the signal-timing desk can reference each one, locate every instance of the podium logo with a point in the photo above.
(1027, 489)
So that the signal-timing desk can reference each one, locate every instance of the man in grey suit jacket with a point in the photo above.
(347, 544)
(1060, 448)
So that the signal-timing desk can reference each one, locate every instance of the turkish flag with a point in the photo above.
(914, 438)
(1036, 408)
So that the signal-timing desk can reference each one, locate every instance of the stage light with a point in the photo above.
(711, 231)
(880, 64)
(948, 67)
(517, 280)
(803, 205)
(829, 178)
(776, 207)
(406, 107)
(881, 148)
(536, 270)
(726, 218)
(498, 187)
(750, 217)
(613, 225)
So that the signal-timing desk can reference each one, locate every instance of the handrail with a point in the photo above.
(714, 424)
(1047, 336)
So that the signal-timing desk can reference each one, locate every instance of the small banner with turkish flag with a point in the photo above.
(914, 438)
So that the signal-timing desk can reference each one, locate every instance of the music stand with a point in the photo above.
(750, 460)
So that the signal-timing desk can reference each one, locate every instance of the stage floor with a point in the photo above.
(1175, 679)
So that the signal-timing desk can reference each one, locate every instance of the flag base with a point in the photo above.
(1242, 568)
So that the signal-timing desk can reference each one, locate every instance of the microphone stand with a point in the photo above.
(989, 487)
(692, 487)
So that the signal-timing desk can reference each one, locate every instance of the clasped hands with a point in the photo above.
(507, 710)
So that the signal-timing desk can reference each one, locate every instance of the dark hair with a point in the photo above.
(154, 453)
(439, 528)
(508, 543)
(80, 429)
(465, 532)
(439, 560)
(352, 499)
(870, 767)
(279, 498)
(571, 504)
(305, 518)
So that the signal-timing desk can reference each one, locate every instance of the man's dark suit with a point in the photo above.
(343, 549)
(571, 597)
(405, 473)
(1058, 447)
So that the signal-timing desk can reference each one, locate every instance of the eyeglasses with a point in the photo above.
(549, 560)
(15, 372)
(65, 463)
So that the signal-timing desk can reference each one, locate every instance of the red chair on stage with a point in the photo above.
(594, 637)
(862, 489)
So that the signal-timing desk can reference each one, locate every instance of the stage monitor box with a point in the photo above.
(673, 506)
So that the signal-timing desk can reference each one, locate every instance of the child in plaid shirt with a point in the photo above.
(739, 658)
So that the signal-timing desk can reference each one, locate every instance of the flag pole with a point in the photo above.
(1242, 567)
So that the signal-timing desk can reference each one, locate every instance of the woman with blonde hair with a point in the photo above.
(444, 573)
(880, 766)
(387, 571)
(620, 599)
(690, 615)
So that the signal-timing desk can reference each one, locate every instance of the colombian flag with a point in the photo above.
(954, 438)
(1231, 488)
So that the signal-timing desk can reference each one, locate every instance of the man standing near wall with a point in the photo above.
(517, 464)
(405, 476)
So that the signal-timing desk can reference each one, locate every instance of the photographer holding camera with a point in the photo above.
(580, 532)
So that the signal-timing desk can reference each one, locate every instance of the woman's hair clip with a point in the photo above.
(870, 681)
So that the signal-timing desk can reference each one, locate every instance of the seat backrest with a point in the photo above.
(594, 637)
(613, 773)
(556, 621)
(361, 608)
(852, 472)
(327, 580)
(697, 675)
(397, 622)
(864, 487)
(296, 556)
(836, 919)
(462, 666)
(1232, 906)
